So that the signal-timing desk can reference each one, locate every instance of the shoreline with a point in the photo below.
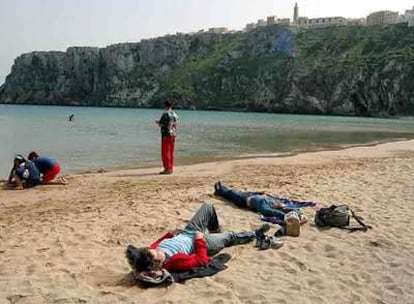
(199, 160)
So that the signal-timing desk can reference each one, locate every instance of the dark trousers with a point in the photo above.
(167, 152)
(235, 196)
(206, 219)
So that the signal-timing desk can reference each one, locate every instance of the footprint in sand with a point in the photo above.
(395, 289)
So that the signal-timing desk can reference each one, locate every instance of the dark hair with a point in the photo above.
(139, 258)
(168, 104)
(32, 155)
(18, 158)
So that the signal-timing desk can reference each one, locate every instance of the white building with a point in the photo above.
(321, 22)
(250, 27)
(409, 17)
(382, 17)
(283, 21)
(261, 22)
(218, 30)
(356, 21)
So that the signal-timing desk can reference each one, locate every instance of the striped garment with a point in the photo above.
(182, 243)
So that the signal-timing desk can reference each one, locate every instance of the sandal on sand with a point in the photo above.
(292, 224)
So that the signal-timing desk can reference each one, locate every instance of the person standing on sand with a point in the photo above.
(168, 126)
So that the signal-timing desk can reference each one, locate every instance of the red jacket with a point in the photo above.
(183, 261)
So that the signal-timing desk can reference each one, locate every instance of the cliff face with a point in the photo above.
(344, 70)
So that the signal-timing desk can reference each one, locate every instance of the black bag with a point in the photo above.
(338, 216)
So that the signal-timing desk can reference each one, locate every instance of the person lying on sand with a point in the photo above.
(189, 248)
(48, 167)
(265, 204)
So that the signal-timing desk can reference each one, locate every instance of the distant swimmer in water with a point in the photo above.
(71, 117)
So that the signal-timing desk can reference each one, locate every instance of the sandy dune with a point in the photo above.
(65, 244)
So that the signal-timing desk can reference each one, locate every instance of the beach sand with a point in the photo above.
(66, 244)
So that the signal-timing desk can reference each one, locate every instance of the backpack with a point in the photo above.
(172, 123)
(339, 216)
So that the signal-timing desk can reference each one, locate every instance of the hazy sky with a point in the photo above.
(41, 25)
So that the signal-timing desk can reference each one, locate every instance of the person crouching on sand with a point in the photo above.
(24, 174)
(48, 167)
(191, 247)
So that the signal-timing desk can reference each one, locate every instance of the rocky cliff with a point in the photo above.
(343, 70)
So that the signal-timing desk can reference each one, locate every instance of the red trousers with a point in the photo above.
(167, 152)
(51, 174)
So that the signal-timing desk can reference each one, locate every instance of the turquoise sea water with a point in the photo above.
(118, 137)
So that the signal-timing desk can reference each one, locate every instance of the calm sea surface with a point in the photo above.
(118, 137)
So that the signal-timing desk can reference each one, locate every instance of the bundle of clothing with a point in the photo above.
(163, 276)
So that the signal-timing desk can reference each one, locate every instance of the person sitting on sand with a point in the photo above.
(48, 167)
(189, 248)
(24, 173)
(265, 204)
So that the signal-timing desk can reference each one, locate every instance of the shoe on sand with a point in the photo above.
(217, 187)
(260, 233)
(280, 232)
(166, 172)
(292, 224)
(271, 242)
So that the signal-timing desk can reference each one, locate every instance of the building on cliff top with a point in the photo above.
(382, 17)
(408, 17)
(306, 22)
(321, 22)
(250, 27)
(356, 21)
(218, 30)
(261, 22)
(376, 18)
(271, 20)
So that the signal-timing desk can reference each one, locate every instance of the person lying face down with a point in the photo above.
(189, 248)
(260, 202)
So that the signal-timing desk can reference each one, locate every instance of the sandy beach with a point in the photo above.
(66, 244)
